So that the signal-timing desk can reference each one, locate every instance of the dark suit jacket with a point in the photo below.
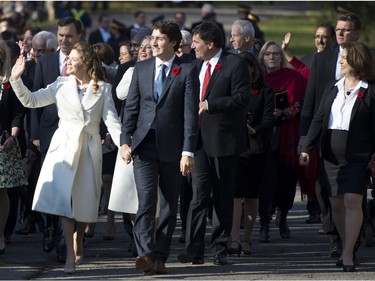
(11, 111)
(308, 60)
(44, 121)
(175, 115)
(223, 127)
(323, 70)
(361, 136)
(95, 37)
(261, 108)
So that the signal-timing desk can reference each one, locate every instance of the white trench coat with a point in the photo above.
(70, 180)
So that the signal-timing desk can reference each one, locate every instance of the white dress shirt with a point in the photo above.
(342, 106)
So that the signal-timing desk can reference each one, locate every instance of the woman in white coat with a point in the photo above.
(69, 183)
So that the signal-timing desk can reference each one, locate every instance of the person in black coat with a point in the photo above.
(251, 163)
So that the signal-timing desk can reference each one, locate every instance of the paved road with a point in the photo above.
(303, 257)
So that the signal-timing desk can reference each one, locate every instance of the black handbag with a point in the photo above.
(4, 136)
(255, 140)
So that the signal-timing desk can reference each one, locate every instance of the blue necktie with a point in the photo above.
(160, 81)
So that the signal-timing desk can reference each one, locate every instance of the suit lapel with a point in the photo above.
(174, 71)
(216, 73)
(70, 93)
(358, 101)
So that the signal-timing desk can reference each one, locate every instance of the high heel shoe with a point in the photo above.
(246, 250)
(70, 270)
(348, 268)
(235, 250)
(79, 260)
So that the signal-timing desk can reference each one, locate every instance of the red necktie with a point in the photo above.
(63, 71)
(206, 79)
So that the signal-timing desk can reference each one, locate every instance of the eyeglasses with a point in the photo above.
(324, 37)
(267, 54)
(343, 30)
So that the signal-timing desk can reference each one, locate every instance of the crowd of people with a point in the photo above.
(167, 121)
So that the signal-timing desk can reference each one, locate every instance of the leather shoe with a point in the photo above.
(194, 259)
(264, 236)
(27, 229)
(48, 240)
(312, 219)
(220, 260)
(144, 263)
(159, 267)
(348, 268)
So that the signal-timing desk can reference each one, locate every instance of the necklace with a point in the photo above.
(82, 89)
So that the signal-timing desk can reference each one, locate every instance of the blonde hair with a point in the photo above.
(284, 62)
(90, 60)
(5, 61)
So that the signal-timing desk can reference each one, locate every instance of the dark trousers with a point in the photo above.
(216, 175)
(278, 188)
(150, 176)
(268, 189)
(186, 195)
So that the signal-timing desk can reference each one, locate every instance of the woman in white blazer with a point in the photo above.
(69, 183)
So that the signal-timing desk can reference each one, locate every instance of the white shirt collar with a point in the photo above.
(361, 84)
(213, 61)
(168, 63)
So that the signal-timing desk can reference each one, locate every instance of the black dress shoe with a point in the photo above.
(48, 240)
(284, 230)
(220, 260)
(194, 259)
(27, 229)
(7, 239)
(348, 268)
(264, 236)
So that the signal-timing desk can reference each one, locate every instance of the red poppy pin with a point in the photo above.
(96, 87)
(6, 85)
(218, 66)
(254, 91)
(360, 95)
(175, 70)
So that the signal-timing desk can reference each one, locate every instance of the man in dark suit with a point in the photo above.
(325, 68)
(103, 33)
(160, 129)
(44, 121)
(324, 39)
(224, 98)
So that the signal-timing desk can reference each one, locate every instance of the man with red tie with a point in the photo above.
(224, 97)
